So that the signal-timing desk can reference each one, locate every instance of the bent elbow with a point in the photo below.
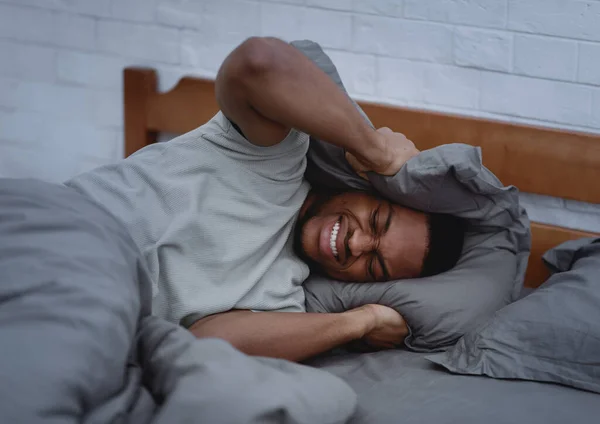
(258, 56)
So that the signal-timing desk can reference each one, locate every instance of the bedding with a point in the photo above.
(448, 179)
(551, 335)
(400, 386)
(79, 344)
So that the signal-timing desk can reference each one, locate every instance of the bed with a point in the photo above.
(402, 386)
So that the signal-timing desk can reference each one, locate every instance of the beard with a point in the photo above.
(299, 248)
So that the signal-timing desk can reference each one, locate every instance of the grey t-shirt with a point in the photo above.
(214, 217)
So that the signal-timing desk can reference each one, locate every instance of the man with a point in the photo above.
(229, 226)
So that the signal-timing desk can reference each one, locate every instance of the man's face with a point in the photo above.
(355, 236)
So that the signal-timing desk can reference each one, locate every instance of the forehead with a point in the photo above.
(358, 199)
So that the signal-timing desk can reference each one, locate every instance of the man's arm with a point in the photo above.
(298, 336)
(267, 87)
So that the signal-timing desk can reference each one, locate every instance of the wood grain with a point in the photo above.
(537, 160)
(543, 238)
(139, 89)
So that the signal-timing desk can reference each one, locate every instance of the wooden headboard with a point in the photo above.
(537, 160)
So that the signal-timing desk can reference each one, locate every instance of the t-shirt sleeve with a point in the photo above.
(280, 161)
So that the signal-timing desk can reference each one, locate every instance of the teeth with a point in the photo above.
(333, 238)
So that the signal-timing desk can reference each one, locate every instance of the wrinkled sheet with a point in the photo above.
(78, 343)
(403, 387)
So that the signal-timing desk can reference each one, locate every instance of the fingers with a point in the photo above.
(358, 167)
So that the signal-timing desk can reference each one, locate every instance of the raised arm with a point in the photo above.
(267, 87)
(297, 336)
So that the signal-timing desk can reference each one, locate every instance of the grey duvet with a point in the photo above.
(78, 344)
(403, 387)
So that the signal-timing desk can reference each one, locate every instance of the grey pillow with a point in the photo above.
(448, 179)
(552, 335)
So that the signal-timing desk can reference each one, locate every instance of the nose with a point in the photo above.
(360, 243)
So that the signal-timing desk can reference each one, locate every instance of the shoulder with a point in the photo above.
(226, 136)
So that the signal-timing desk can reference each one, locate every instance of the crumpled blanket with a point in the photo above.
(78, 343)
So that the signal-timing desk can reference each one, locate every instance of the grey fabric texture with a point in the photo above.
(403, 387)
(448, 179)
(213, 215)
(79, 344)
(551, 335)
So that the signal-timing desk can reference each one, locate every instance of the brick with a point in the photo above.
(86, 164)
(429, 83)
(182, 14)
(452, 86)
(205, 55)
(328, 28)
(27, 61)
(356, 70)
(120, 146)
(331, 4)
(546, 100)
(169, 75)
(40, 162)
(400, 79)
(379, 7)
(139, 41)
(108, 108)
(483, 49)
(229, 27)
(74, 31)
(64, 135)
(83, 139)
(46, 27)
(565, 18)
(20, 127)
(26, 24)
(545, 57)
(596, 109)
(100, 107)
(223, 20)
(100, 8)
(283, 21)
(481, 13)
(403, 39)
(296, 2)
(91, 69)
(589, 63)
(135, 10)
(8, 92)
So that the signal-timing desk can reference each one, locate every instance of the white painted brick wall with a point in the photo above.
(589, 63)
(483, 49)
(527, 61)
(545, 57)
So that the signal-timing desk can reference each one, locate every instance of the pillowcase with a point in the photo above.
(449, 179)
(552, 335)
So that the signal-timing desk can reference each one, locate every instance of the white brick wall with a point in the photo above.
(530, 61)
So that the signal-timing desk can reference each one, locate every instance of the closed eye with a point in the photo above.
(371, 269)
(374, 219)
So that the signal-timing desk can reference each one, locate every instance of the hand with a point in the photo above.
(387, 330)
(390, 152)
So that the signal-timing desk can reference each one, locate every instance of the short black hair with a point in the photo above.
(446, 240)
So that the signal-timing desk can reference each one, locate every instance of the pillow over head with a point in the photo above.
(551, 335)
(449, 179)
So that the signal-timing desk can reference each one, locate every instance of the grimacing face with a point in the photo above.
(355, 236)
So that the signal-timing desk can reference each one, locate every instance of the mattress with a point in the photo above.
(403, 387)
